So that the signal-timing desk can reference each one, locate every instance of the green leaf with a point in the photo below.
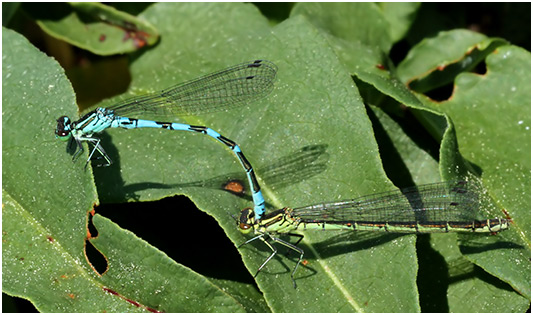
(142, 273)
(465, 281)
(361, 43)
(96, 27)
(167, 163)
(41, 202)
(491, 117)
(427, 66)
(457, 275)
(312, 91)
(491, 111)
(46, 205)
(409, 161)
(362, 23)
(314, 119)
(400, 17)
(35, 260)
(428, 55)
(363, 59)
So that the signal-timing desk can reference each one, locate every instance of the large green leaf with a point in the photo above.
(314, 111)
(355, 22)
(362, 43)
(46, 205)
(492, 115)
(465, 50)
(315, 101)
(462, 280)
(440, 259)
(361, 57)
(409, 161)
(400, 16)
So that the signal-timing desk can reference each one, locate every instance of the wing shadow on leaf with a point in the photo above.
(352, 242)
(348, 242)
(287, 170)
(355, 241)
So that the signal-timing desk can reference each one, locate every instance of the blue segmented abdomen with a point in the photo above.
(257, 196)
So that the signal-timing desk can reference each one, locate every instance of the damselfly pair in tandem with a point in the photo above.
(442, 207)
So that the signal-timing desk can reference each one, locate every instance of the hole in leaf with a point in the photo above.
(91, 229)
(399, 51)
(187, 235)
(438, 85)
(481, 68)
(95, 258)
(441, 93)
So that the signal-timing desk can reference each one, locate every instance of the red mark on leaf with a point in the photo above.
(234, 186)
(110, 291)
(140, 38)
(133, 302)
(149, 309)
(137, 304)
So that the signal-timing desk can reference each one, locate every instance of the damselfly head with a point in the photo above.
(246, 220)
(63, 129)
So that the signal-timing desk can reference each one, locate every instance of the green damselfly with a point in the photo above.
(441, 207)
